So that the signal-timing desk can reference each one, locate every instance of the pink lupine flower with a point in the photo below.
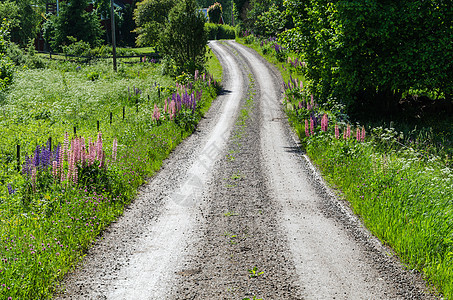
(172, 109)
(33, 178)
(362, 136)
(324, 123)
(301, 86)
(62, 176)
(75, 175)
(344, 135)
(102, 160)
(55, 170)
(83, 153)
(337, 132)
(358, 134)
(300, 105)
(348, 131)
(196, 74)
(312, 100)
(91, 153)
(165, 106)
(312, 126)
(156, 113)
(114, 149)
(307, 133)
(69, 176)
(99, 146)
(61, 159)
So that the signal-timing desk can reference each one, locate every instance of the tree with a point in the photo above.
(215, 13)
(126, 34)
(75, 21)
(271, 22)
(6, 65)
(366, 54)
(150, 17)
(24, 19)
(184, 38)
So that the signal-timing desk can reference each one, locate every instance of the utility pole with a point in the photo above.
(113, 35)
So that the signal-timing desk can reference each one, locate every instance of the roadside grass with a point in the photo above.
(399, 185)
(213, 65)
(51, 212)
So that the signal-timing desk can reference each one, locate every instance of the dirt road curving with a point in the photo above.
(239, 212)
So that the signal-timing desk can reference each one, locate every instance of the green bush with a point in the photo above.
(184, 38)
(368, 53)
(218, 31)
(215, 13)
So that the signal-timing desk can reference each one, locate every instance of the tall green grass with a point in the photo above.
(400, 184)
(46, 226)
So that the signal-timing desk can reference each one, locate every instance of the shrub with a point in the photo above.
(218, 31)
(215, 13)
(184, 38)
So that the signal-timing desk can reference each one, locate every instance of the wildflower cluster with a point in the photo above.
(66, 161)
(308, 113)
(185, 98)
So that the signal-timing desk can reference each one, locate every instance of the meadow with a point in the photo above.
(76, 141)
(397, 177)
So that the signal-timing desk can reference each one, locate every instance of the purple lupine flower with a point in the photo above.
(194, 103)
(26, 168)
(36, 156)
(11, 191)
(46, 156)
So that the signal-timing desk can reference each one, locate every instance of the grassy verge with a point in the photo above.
(65, 190)
(403, 193)
(213, 65)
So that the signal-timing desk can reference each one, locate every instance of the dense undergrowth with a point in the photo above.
(399, 183)
(87, 137)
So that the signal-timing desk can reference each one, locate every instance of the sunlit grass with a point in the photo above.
(48, 222)
(401, 185)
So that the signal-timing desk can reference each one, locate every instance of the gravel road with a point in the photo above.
(237, 211)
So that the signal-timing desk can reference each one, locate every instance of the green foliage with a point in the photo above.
(402, 197)
(73, 21)
(215, 13)
(6, 65)
(150, 17)
(367, 53)
(271, 22)
(184, 38)
(399, 184)
(219, 31)
(77, 48)
(47, 103)
(24, 18)
(9, 11)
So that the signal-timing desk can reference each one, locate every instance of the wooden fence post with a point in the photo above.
(18, 157)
